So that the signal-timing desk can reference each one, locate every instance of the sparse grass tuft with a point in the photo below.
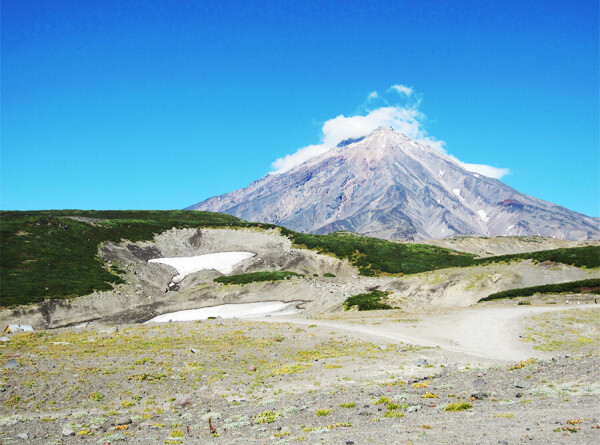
(266, 417)
(458, 406)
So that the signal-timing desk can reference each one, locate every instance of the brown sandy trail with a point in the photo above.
(485, 332)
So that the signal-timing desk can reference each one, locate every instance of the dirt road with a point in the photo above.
(486, 332)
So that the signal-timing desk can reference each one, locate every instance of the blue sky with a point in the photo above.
(161, 104)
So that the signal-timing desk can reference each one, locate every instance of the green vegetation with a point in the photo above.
(368, 302)
(373, 256)
(49, 254)
(266, 417)
(567, 331)
(246, 278)
(54, 254)
(573, 287)
(588, 256)
(329, 275)
(458, 406)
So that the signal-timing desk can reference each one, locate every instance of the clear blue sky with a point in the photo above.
(161, 104)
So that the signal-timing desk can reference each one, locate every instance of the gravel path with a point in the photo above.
(483, 331)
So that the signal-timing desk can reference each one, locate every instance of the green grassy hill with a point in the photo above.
(53, 254)
(48, 254)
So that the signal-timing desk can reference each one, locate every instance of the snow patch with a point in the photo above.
(457, 193)
(510, 227)
(245, 310)
(476, 175)
(483, 215)
(222, 262)
(441, 173)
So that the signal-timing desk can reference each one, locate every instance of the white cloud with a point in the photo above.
(482, 169)
(402, 89)
(404, 119)
(288, 162)
(372, 95)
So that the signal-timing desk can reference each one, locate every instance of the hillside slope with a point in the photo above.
(88, 255)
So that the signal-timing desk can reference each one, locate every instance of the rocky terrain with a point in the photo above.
(438, 368)
(388, 186)
(304, 381)
(146, 292)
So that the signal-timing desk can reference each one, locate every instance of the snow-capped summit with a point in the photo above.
(389, 186)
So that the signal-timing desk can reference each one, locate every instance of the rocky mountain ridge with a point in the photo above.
(389, 186)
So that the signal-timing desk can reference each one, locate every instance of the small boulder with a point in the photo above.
(4, 339)
(522, 384)
(421, 362)
(23, 436)
(413, 408)
(123, 420)
(183, 401)
(11, 364)
(67, 432)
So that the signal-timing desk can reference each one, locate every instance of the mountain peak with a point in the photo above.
(386, 185)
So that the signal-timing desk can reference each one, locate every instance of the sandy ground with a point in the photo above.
(482, 331)
(357, 380)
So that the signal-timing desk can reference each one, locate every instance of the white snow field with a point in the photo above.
(483, 215)
(222, 262)
(244, 310)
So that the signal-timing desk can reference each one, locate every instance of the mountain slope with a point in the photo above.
(388, 186)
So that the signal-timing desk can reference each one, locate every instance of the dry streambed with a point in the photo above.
(283, 383)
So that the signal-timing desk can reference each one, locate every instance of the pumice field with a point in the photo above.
(195, 327)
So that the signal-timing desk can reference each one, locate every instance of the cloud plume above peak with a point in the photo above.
(403, 118)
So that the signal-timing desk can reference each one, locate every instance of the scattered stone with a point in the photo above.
(195, 351)
(108, 330)
(11, 364)
(184, 401)
(480, 395)
(123, 420)
(67, 432)
(421, 362)
(252, 368)
(349, 442)
(522, 384)
(23, 436)
(413, 408)
(4, 339)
